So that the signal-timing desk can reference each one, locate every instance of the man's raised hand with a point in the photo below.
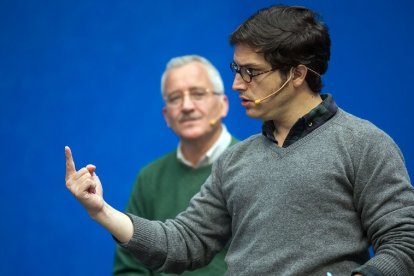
(84, 185)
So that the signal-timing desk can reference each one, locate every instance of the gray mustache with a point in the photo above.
(189, 116)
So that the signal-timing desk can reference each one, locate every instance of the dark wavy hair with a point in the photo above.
(288, 36)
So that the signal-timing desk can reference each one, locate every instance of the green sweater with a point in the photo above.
(163, 189)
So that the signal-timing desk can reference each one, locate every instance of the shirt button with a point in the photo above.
(310, 124)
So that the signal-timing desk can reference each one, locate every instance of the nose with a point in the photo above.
(188, 103)
(238, 83)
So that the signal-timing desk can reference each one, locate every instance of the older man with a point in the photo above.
(195, 103)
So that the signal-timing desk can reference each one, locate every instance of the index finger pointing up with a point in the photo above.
(70, 164)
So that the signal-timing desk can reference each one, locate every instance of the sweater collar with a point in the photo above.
(212, 154)
(306, 124)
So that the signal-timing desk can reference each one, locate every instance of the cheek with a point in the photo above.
(212, 109)
(264, 89)
(171, 117)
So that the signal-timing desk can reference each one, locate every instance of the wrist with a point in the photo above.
(104, 213)
(117, 223)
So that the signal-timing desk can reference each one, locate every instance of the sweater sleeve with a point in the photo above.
(191, 240)
(124, 262)
(384, 199)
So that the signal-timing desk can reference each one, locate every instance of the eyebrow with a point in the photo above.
(180, 90)
(250, 65)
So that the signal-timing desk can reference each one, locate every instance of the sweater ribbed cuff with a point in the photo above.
(382, 264)
(144, 244)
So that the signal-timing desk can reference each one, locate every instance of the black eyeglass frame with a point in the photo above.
(235, 68)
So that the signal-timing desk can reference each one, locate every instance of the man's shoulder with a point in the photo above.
(358, 125)
(161, 162)
(361, 131)
(234, 140)
(239, 146)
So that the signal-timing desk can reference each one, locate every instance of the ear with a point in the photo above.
(299, 75)
(225, 106)
(165, 114)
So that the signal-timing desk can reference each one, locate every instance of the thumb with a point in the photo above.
(91, 168)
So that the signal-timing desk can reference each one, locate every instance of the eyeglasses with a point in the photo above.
(247, 74)
(196, 94)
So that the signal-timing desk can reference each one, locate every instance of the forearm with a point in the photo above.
(174, 246)
(116, 222)
(385, 199)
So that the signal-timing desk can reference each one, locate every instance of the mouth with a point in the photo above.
(245, 101)
(188, 119)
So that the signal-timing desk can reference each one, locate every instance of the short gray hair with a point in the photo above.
(212, 72)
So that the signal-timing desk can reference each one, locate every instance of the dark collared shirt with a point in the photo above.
(305, 125)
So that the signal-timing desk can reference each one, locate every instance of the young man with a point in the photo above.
(194, 105)
(306, 197)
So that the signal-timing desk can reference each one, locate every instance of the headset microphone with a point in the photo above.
(213, 122)
(258, 101)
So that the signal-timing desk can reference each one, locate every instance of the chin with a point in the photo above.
(192, 135)
(252, 114)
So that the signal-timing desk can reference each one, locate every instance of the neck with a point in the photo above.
(299, 107)
(195, 149)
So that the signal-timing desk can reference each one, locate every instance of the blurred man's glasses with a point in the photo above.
(196, 94)
(247, 74)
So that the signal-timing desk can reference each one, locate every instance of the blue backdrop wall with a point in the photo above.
(86, 74)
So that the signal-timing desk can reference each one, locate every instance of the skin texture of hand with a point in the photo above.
(85, 185)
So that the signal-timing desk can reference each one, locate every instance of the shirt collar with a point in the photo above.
(212, 154)
(305, 125)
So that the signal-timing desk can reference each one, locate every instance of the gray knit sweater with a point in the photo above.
(308, 209)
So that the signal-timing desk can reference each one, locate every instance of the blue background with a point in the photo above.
(87, 74)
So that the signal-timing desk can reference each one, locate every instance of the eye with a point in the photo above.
(173, 98)
(251, 71)
(198, 93)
